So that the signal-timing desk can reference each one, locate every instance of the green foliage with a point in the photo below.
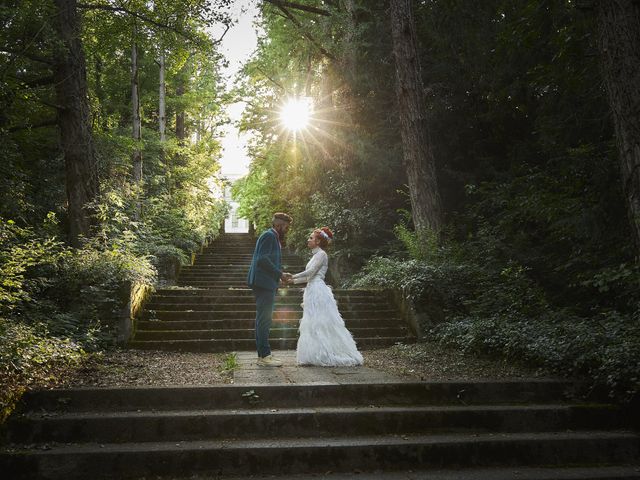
(536, 232)
(230, 363)
(25, 347)
(68, 292)
(57, 302)
(493, 306)
(30, 355)
(343, 171)
(26, 264)
(419, 245)
(605, 349)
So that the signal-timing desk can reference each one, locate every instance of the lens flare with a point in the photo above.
(296, 113)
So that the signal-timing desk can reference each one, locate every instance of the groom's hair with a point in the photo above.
(281, 218)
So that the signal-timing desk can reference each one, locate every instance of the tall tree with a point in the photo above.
(181, 130)
(74, 121)
(418, 155)
(162, 98)
(619, 39)
(136, 131)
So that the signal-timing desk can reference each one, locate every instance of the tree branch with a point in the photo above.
(298, 6)
(30, 56)
(275, 82)
(45, 123)
(306, 34)
(49, 104)
(36, 82)
(144, 18)
(227, 27)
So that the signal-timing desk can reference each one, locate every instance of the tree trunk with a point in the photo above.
(74, 122)
(102, 114)
(137, 122)
(418, 157)
(162, 104)
(181, 133)
(349, 57)
(619, 41)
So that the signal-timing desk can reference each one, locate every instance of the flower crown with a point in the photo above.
(324, 234)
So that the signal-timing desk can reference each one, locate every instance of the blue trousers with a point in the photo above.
(265, 301)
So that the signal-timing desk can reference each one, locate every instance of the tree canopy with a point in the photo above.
(483, 160)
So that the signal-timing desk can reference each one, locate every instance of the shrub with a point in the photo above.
(493, 306)
(605, 349)
(56, 303)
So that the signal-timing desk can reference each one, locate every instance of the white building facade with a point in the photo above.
(233, 223)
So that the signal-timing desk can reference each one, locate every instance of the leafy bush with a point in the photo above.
(91, 290)
(56, 303)
(605, 349)
(495, 307)
(30, 355)
(26, 261)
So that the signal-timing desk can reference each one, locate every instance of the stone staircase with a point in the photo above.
(338, 426)
(214, 311)
(453, 430)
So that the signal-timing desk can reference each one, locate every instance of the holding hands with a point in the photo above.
(286, 278)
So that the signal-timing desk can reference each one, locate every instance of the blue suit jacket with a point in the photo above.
(265, 266)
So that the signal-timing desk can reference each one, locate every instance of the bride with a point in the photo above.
(324, 340)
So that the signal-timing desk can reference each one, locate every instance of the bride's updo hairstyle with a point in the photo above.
(324, 235)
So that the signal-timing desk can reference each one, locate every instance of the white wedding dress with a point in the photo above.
(324, 340)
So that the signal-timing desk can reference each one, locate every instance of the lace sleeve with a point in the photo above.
(312, 268)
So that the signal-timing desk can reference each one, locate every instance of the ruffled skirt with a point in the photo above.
(324, 340)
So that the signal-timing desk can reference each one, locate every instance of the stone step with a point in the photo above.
(631, 472)
(232, 262)
(249, 333)
(190, 425)
(239, 267)
(247, 244)
(282, 292)
(213, 277)
(454, 392)
(246, 258)
(279, 314)
(229, 345)
(145, 325)
(230, 267)
(213, 284)
(235, 266)
(245, 249)
(216, 270)
(232, 297)
(244, 255)
(222, 277)
(225, 252)
(322, 454)
(234, 243)
(281, 303)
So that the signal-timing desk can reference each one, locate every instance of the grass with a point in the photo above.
(230, 363)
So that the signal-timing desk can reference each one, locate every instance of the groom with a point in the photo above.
(264, 276)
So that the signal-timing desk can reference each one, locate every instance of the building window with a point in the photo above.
(234, 220)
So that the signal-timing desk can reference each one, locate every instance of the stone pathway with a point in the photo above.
(249, 373)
